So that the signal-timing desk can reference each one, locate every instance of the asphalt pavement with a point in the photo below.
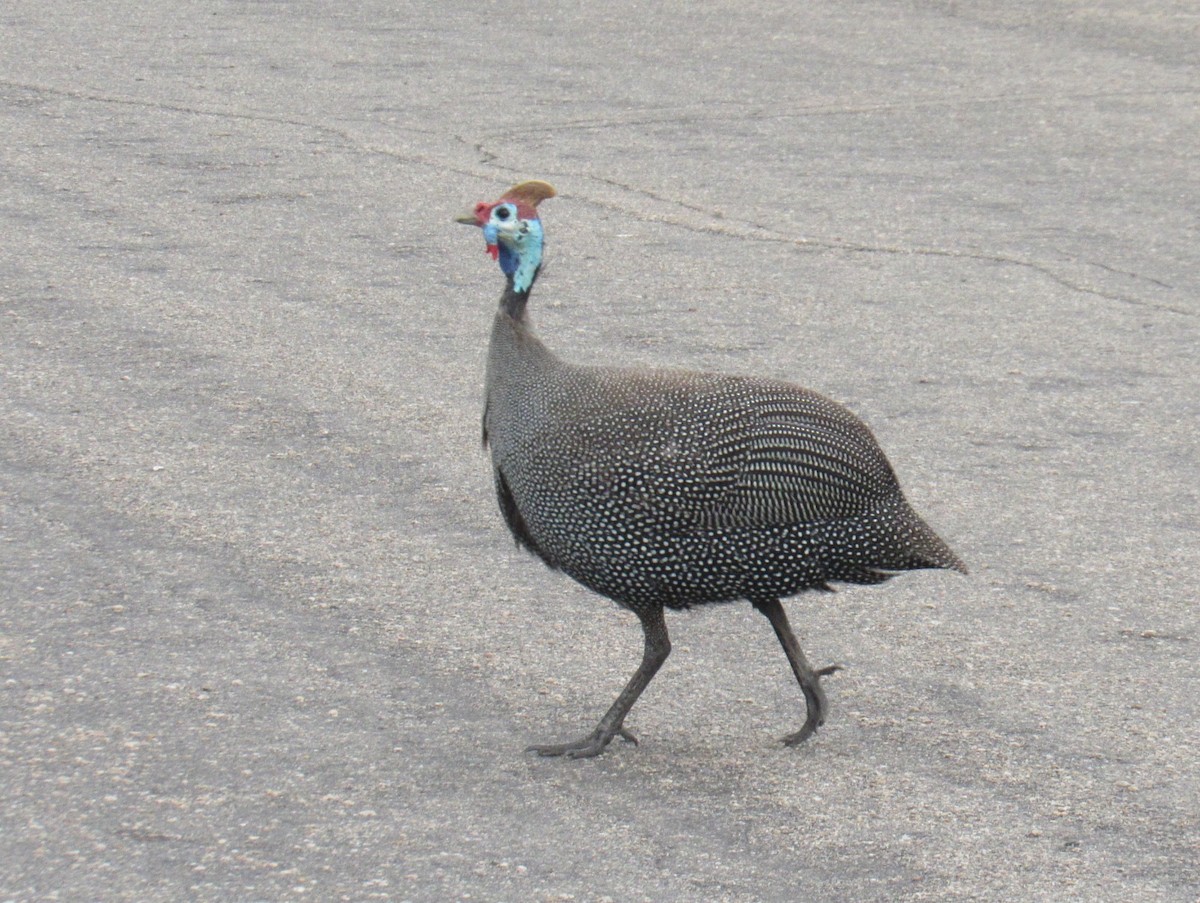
(263, 635)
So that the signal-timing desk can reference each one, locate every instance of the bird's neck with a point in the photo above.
(518, 367)
(513, 339)
(514, 300)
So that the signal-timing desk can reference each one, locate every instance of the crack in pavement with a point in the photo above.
(719, 223)
(752, 231)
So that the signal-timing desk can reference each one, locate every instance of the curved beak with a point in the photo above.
(468, 218)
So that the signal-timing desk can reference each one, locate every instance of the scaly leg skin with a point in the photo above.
(817, 706)
(810, 681)
(657, 648)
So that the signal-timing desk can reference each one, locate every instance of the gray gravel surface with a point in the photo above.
(262, 633)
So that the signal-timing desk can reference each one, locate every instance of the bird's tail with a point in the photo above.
(932, 552)
(917, 546)
(891, 540)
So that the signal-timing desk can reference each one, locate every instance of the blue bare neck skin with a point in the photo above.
(520, 260)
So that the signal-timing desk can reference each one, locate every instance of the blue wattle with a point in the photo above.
(509, 261)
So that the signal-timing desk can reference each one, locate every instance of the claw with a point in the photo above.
(585, 747)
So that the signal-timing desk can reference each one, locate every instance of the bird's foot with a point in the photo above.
(585, 747)
(801, 735)
(816, 709)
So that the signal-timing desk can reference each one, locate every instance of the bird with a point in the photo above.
(666, 489)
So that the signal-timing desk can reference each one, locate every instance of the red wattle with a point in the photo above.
(494, 251)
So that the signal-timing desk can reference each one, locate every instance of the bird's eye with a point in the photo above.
(502, 213)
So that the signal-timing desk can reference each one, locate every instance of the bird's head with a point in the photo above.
(513, 231)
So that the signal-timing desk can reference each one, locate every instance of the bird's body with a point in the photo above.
(664, 488)
(678, 488)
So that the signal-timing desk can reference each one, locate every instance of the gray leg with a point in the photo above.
(658, 647)
(810, 680)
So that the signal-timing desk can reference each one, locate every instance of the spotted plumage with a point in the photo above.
(664, 488)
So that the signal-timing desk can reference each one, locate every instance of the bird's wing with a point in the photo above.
(733, 452)
(798, 458)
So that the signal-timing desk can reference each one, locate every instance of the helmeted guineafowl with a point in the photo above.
(672, 488)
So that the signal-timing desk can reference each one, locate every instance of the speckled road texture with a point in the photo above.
(263, 635)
